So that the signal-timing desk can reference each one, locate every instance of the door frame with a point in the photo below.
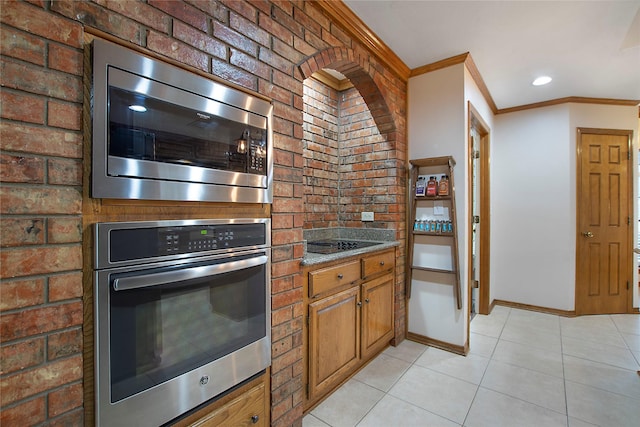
(620, 132)
(476, 121)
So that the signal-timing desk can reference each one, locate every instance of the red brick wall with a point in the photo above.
(41, 196)
(321, 155)
(347, 169)
(254, 44)
(368, 172)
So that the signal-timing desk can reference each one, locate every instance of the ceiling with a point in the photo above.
(589, 48)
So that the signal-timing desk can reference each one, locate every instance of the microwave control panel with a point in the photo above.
(257, 158)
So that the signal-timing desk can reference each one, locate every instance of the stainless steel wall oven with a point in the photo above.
(163, 133)
(182, 313)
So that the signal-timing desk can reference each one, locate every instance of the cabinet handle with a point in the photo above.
(255, 419)
(359, 304)
(381, 262)
(340, 276)
(367, 300)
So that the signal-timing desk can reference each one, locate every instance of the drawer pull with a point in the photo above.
(381, 262)
(340, 276)
(255, 419)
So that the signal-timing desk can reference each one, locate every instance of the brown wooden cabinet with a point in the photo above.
(246, 406)
(334, 339)
(377, 314)
(349, 318)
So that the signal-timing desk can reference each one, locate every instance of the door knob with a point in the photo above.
(587, 234)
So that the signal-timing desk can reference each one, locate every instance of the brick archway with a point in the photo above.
(362, 75)
(383, 185)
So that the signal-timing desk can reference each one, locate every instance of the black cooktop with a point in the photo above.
(332, 246)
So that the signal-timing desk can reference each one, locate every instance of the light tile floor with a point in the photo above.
(524, 369)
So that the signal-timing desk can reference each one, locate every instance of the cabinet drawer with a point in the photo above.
(377, 264)
(246, 410)
(330, 278)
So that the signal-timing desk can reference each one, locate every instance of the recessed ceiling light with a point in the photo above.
(138, 108)
(542, 80)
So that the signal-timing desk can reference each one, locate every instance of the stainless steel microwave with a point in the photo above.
(164, 133)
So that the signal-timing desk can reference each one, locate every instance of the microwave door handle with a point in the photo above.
(166, 277)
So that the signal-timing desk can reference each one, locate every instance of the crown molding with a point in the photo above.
(477, 78)
(467, 60)
(574, 99)
(329, 80)
(438, 65)
(351, 23)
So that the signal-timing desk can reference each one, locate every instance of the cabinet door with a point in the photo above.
(246, 410)
(334, 339)
(377, 314)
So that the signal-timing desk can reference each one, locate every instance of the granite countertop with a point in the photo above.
(382, 238)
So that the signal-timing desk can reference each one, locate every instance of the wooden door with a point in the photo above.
(603, 272)
(334, 339)
(479, 199)
(377, 314)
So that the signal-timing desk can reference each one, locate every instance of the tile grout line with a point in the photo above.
(485, 369)
(564, 377)
(386, 392)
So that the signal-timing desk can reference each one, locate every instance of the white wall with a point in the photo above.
(532, 248)
(533, 194)
(436, 127)
(435, 114)
(533, 198)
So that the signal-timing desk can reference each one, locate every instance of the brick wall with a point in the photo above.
(321, 155)
(264, 46)
(347, 168)
(368, 171)
(41, 197)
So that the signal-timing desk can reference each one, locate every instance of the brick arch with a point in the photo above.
(361, 74)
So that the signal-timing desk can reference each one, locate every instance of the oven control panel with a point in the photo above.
(129, 244)
(203, 239)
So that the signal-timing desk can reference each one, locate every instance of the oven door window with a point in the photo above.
(160, 332)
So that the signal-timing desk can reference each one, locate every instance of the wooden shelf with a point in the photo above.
(432, 233)
(427, 166)
(431, 198)
(433, 161)
(432, 270)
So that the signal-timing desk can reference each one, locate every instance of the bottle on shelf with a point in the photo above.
(421, 185)
(443, 186)
(433, 226)
(432, 186)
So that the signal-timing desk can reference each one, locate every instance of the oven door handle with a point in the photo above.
(166, 277)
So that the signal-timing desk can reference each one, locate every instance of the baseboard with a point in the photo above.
(563, 313)
(442, 345)
(491, 306)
